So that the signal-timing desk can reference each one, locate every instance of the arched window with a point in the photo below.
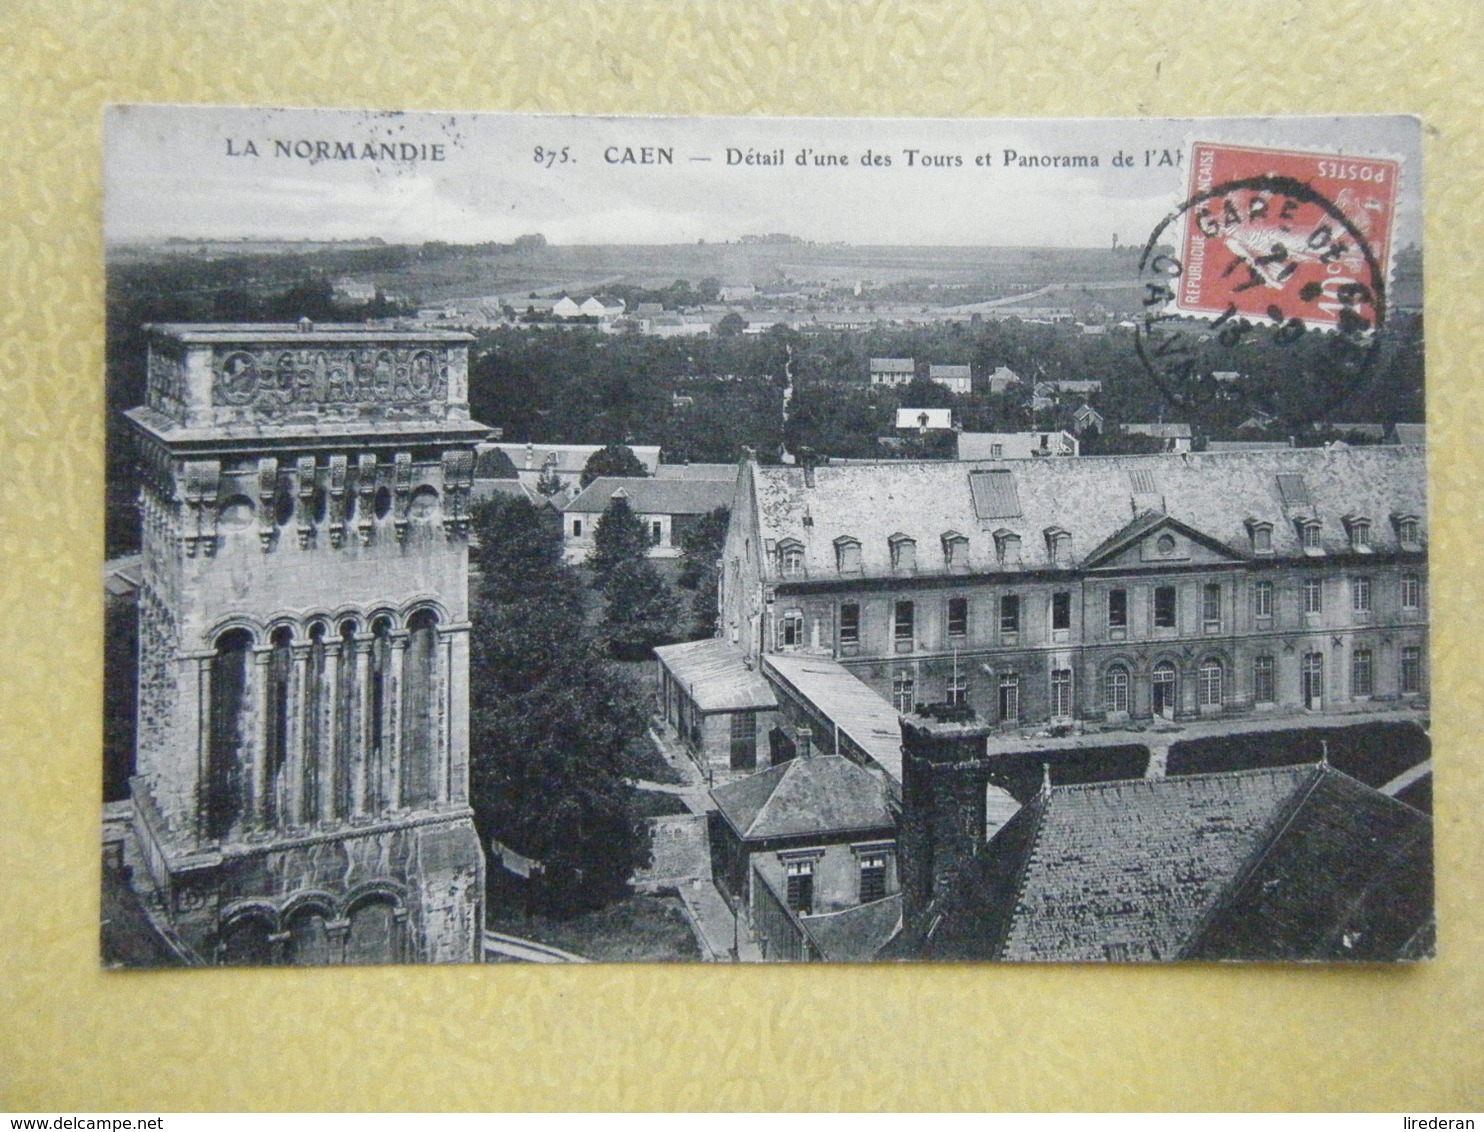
(276, 746)
(1209, 682)
(1115, 688)
(1163, 690)
(308, 942)
(419, 711)
(244, 942)
(381, 684)
(346, 715)
(372, 937)
(316, 745)
(226, 781)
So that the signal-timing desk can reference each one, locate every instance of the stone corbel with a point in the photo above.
(401, 492)
(458, 480)
(267, 497)
(305, 473)
(336, 485)
(201, 481)
(366, 495)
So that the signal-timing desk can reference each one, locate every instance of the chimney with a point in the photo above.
(807, 460)
(530, 455)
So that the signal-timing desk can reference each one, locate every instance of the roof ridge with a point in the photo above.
(1038, 807)
(1152, 783)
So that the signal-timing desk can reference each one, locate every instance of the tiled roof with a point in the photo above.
(893, 365)
(860, 713)
(821, 794)
(1349, 877)
(484, 489)
(1090, 497)
(855, 935)
(651, 496)
(715, 677)
(937, 372)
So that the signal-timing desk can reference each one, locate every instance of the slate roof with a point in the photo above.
(571, 457)
(938, 373)
(806, 796)
(855, 935)
(1092, 497)
(1162, 431)
(1404, 433)
(715, 677)
(936, 418)
(485, 488)
(652, 496)
(836, 693)
(696, 472)
(1278, 863)
(893, 365)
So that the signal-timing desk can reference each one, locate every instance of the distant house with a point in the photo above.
(1226, 376)
(1002, 379)
(594, 307)
(893, 371)
(925, 420)
(649, 310)
(564, 462)
(566, 307)
(1046, 394)
(1176, 437)
(737, 293)
(666, 507)
(808, 851)
(353, 291)
(721, 709)
(1016, 445)
(956, 379)
(1259, 421)
(1087, 419)
(1403, 433)
(1283, 864)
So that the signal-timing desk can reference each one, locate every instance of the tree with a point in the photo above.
(549, 719)
(701, 548)
(618, 538)
(550, 483)
(612, 460)
(642, 611)
(730, 325)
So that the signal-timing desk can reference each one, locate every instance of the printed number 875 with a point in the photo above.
(550, 157)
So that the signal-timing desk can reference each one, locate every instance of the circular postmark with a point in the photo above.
(1265, 274)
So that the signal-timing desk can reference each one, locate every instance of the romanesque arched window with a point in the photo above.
(347, 714)
(226, 782)
(380, 711)
(279, 703)
(317, 748)
(309, 941)
(245, 942)
(419, 711)
(373, 933)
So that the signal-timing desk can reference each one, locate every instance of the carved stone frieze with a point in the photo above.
(200, 481)
(267, 496)
(274, 382)
(305, 474)
(366, 493)
(335, 483)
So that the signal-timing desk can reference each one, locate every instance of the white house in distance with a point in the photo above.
(1015, 445)
(893, 371)
(666, 507)
(565, 461)
(1177, 437)
(1002, 379)
(956, 379)
(925, 420)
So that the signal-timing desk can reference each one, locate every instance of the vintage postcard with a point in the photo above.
(558, 540)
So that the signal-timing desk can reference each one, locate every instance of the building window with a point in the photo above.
(996, 451)
(958, 688)
(1262, 538)
(872, 877)
(1115, 689)
(1262, 600)
(1061, 614)
(958, 617)
(1164, 690)
(850, 623)
(1165, 544)
(800, 886)
(656, 535)
(848, 556)
(1313, 595)
(576, 528)
(790, 558)
(903, 627)
(1209, 681)
(1264, 683)
(421, 721)
(1312, 679)
(1407, 532)
(1009, 615)
(791, 630)
(744, 740)
(903, 554)
(1411, 592)
(1211, 607)
(1118, 609)
(1061, 692)
(1311, 539)
(1411, 672)
(1360, 534)
(1361, 679)
(955, 551)
(1164, 607)
(1360, 595)
(903, 691)
(1009, 697)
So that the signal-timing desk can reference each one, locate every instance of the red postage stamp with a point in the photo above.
(1287, 237)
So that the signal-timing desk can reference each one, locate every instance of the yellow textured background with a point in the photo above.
(72, 1037)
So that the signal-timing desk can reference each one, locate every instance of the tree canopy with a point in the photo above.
(612, 460)
(618, 538)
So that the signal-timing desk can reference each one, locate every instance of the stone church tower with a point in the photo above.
(302, 785)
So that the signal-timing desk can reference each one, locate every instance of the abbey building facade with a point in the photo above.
(301, 793)
(1046, 593)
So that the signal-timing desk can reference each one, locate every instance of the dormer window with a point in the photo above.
(1309, 536)
(1408, 531)
(791, 558)
(1007, 547)
(1261, 534)
(903, 553)
(1058, 546)
(955, 550)
(848, 555)
(1359, 530)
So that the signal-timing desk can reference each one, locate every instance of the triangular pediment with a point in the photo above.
(1154, 539)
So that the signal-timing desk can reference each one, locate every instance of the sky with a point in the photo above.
(191, 172)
